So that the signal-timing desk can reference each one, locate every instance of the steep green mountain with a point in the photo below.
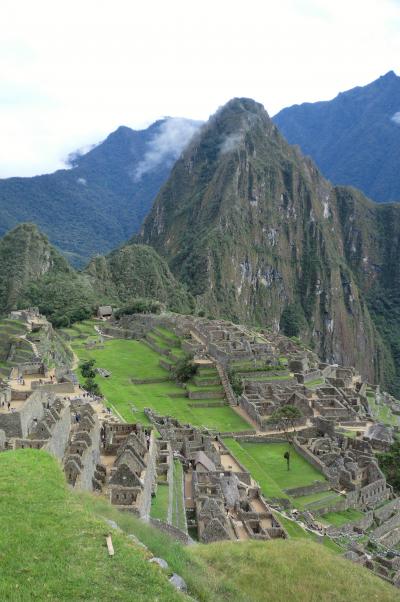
(33, 273)
(258, 234)
(354, 138)
(96, 204)
(138, 271)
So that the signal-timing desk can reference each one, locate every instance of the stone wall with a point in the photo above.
(149, 478)
(56, 388)
(387, 526)
(19, 424)
(386, 511)
(170, 530)
(60, 434)
(307, 455)
(316, 487)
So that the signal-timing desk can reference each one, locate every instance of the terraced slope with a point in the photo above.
(141, 378)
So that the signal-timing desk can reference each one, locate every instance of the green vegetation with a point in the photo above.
(136, 276)
(266, 463)
(389, 463)
(341, 518)
(285, 419)
(292, 320)
(184, 369)
(160, 503)
(93, 207)
(87, 369)
(53, 547)
(318, 500)
(382, 413)
(298, 570)
(129, 359)
(178, 508)
(139, 306)
(236, 381)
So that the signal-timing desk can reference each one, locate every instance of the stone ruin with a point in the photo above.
(82, 464)
(133, 452)
(349, 464)
(222, 503)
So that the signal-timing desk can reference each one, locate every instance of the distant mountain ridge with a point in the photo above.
(355, 138)
(98, 203)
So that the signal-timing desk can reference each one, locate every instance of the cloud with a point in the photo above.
(174, 134)
(396, 118)
(230, 143)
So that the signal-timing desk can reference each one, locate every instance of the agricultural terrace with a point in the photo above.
(131, 361)
(267, 465)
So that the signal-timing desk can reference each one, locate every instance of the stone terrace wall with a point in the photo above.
(316, 487)
(170, 530)
(307, 455)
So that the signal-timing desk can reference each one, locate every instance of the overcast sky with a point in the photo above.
(72, 71)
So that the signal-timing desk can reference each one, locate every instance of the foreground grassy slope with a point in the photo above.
(278, 571)
(52, 548)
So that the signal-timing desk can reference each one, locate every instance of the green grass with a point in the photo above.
(278, 571)
(167, 334)
(53, 547)
(160, 503)
(268, 378)
(267, 465)
(323, 498)
(337, 519)
(127, 359)
(382, 413)
(178, 508)
(315, 382)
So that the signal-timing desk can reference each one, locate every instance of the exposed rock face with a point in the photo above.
(251, 226)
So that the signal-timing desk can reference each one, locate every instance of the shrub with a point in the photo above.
(87, 369)
(139, 306)
(236, 382)
(184, 369)
(292, 320)
(92, 387)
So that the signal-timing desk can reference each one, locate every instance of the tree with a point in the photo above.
(87, 369)
(285, 418)
(292, 320)
(92, 387)
(139, 306)
(236, 382)
(184, 369)
(389, 462)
